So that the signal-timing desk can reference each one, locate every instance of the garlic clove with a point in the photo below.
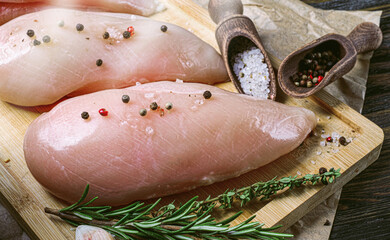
(84, 232)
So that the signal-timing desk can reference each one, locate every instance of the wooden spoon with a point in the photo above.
(364, 38)
(236, 33)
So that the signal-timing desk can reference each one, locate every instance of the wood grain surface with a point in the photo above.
(364, 207)
(26, 198)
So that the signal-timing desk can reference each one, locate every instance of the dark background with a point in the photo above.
(364, 208)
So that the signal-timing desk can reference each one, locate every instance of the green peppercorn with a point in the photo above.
(125, 98)
(304, 77)
(153, 106)
(36, 42)
(315, 80)
(309, 84)
(164, 28)
(79, 27)
(84, 115)
(207, 94)
(30, 33)
(296, 84)
(99, 62)
(169, 106)
(126, 34)
(46, 39)
(143, 112)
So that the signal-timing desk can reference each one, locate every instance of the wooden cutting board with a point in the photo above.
(26, 199)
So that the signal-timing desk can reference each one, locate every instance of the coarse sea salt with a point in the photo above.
(252, 72)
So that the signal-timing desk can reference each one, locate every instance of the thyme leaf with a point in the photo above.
(191, 220)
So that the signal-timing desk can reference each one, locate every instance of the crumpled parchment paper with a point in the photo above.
(286, 25)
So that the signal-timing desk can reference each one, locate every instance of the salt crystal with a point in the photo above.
(328, 117)
(299, 173)
(179, 80)
(323, 131)
(149, 130)
(149, 95)
(138, 84)
(200, 102)
(312, 162)
(336, 150)
(319, 153)
(252, 72)
(323, 143)
(324, 135)
(335, 135)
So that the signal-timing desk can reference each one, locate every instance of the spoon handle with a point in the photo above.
(366, 37)
(222, 9)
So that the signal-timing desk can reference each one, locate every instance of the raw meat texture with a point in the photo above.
(11, 9)
(40, 75)
(125, 156)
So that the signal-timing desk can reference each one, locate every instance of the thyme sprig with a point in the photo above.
(191, 220)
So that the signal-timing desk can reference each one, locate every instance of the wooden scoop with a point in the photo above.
(236, 33)
(364, 38)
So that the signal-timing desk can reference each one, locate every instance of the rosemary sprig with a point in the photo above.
(191, 220)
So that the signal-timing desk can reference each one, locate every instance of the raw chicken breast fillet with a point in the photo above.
(125, 156)
(40, 75)
(10, 9)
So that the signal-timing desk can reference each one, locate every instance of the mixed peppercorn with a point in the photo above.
(314, 67)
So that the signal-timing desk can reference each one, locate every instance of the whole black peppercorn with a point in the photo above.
(343, 141)
(153, 106)
(125, 99)
(207, 94)
(325, 55)
(300, 74)
(321, 72)
(309, 56)
(126, 34)
(46, 39)
(99, 62)
(295, 77)
(84, 115)
(79, 27)
(36, 42)
(323, 170)
(329, 65)
(143, 112)
(106, 35)
(30, 33)
(164, 28)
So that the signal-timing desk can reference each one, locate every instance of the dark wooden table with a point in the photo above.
(364, 208)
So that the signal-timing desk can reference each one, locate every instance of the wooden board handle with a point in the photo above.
(222, 9)
(366, 37)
